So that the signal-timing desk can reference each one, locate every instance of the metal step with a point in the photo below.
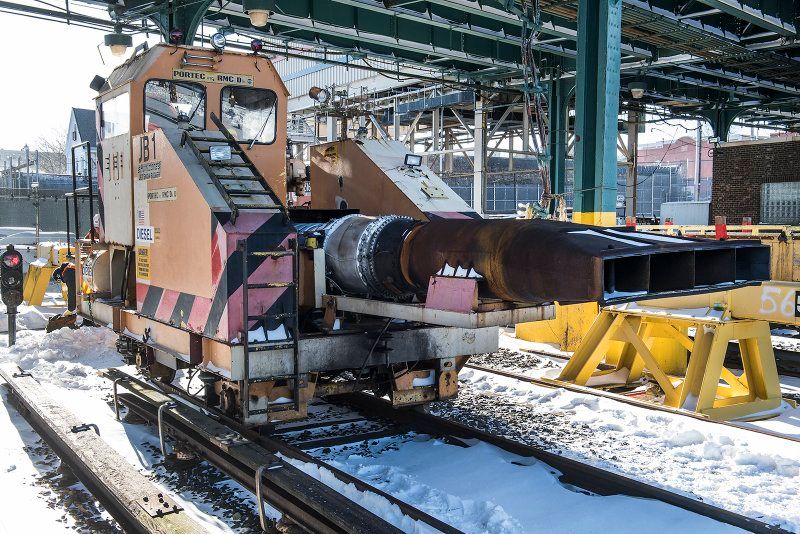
(270, 285)
(259, 206)
(227, 164)
(285, 315)
(246, 192)
(208, 150)
(272, 253)
(234, 176)
(262, 348)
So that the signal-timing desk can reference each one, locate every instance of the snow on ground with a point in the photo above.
(479, 489)
(753, 474)
(28, 318)
(43, 496)
(21, 235)
(547, 362)
(65, 362)
(482, 488)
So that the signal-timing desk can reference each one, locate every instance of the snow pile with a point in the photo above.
(481, 488)
(754, 474)
(28, 318)
(66, 357)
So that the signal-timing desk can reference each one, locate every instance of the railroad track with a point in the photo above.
(573, 472)
(360, 417)
(552, 384)
(260, 462)
(235, 450)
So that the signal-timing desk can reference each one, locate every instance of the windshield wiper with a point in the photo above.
(253, 142)
(199, 101)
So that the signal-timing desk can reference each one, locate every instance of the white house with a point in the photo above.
(81, 129)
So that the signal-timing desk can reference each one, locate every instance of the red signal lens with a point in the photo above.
(12, 260)
(176, 37)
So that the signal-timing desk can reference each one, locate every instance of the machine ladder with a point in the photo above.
(237, 179)
(289, 318)
(244, 188)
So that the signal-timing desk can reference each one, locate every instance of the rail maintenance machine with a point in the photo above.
(385, 280)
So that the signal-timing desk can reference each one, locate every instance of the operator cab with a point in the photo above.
(174, 89)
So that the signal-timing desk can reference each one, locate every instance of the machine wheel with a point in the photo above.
(164, 374)
(228, 402)
(147, 364)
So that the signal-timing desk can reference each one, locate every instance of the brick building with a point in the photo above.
(742, 168)
(681, 152)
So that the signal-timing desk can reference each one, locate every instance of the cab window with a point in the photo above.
(116, 115)
(169, 103)
(249, 114)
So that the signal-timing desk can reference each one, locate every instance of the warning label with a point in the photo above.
(142, 263)
(160, 195)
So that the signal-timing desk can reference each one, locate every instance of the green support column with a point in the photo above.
(183, 15)
(597, 111)
(721, 120)
(557, 133)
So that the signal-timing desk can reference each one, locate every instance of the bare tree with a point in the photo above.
(52, 151)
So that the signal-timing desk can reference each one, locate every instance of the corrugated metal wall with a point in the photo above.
(300, 75)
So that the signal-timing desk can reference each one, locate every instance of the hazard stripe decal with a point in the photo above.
(183, 307)
(151, 301)
(220, 316)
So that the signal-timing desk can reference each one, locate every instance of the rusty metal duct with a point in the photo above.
(543, 261)
(533, 261)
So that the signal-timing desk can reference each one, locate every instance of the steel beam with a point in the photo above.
(396, 120)
(597, 111)
(436, 134)
(479, 157)
(557, 132)
(721, 120)
(755, 16)
(632, 149)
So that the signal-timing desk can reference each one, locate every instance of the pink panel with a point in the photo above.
(199, 314)
(259, 300)
(167, 304)
(141, 293)
(452, 294)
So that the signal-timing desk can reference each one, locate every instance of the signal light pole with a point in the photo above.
(11, 288)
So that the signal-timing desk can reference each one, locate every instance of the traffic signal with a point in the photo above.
(11, 277)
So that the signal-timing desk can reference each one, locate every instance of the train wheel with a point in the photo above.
(147, 364)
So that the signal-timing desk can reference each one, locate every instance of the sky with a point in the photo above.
(47, 67)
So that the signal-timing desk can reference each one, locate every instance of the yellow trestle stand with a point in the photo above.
(624, 336)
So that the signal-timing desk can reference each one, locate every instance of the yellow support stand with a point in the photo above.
(35, 285)
(707, 387)
(567, 328)
(49, 257)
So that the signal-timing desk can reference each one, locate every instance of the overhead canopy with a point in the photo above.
(700, 56)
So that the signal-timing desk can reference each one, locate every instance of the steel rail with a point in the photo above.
(274, 446)
(573, 472)
(553, 384)
(119, 487)
(90, 479)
